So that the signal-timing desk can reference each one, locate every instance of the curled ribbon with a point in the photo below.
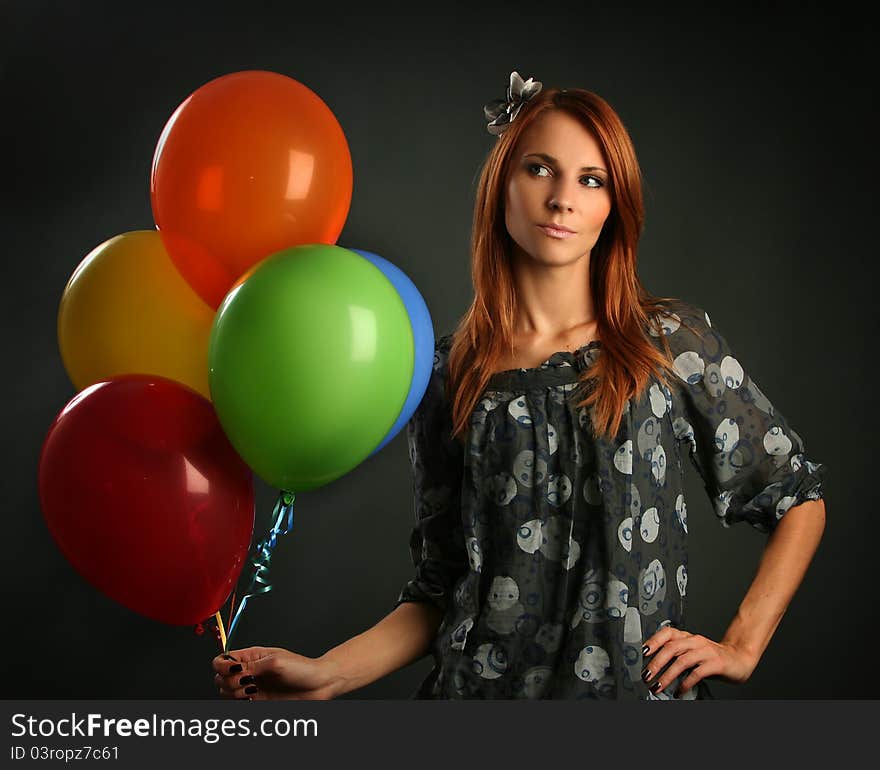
(260, 583)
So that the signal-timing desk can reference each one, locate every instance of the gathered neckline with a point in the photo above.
(558, 357)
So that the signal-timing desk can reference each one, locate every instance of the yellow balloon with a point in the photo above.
(127, 310)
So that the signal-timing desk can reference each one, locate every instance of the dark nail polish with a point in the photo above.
(246, 680)
(645, 673)
(250, 690)
(235, 669)
(645, 650)
(656, 686)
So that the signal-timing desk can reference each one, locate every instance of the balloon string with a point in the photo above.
(260, 583)
(219, 620)
(231, 606)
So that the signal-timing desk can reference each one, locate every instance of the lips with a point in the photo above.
(556, 226)
(554, 232)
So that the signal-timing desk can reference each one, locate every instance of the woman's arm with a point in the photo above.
(400, 638)
(788, 553)
(789, 550)
(755, 469)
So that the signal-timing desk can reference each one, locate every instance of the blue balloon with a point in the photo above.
(423, 339)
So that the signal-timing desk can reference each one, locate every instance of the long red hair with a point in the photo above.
(624, 308)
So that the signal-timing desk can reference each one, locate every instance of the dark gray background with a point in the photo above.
(755, 135)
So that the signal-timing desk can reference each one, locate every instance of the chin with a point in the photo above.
(560, 255)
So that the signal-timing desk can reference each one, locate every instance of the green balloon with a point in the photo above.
(310, 361)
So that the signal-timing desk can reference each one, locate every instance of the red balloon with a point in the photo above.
(248, 164)
(146, 498)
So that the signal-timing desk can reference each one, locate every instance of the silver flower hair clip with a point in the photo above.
(502, 112)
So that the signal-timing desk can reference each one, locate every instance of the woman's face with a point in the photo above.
(557, 175)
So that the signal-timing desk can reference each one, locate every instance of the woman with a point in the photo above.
(550, 536)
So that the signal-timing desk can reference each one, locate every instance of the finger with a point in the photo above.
(696, 675)
(257, 667)
(253, 660)
(225, 658)
(684, 661)
(243, 686)
(661, 637)
(238, 676)
(222, 690)
(230, 668)
(678, 681)
(230, 686)
(222, 662)
(664, 655)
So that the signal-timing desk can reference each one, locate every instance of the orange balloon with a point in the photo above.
(249, 164)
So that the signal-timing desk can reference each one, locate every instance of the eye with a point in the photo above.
(596, 181)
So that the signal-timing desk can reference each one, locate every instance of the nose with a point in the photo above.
(561, 197)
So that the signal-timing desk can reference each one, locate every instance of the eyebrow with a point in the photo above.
(551, 159)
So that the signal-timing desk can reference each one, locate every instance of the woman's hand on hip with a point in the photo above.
(697, 654)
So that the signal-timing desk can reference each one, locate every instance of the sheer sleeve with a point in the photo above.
(752, 461)
(437, 460)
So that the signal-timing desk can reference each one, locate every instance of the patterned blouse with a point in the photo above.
(554, 554)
